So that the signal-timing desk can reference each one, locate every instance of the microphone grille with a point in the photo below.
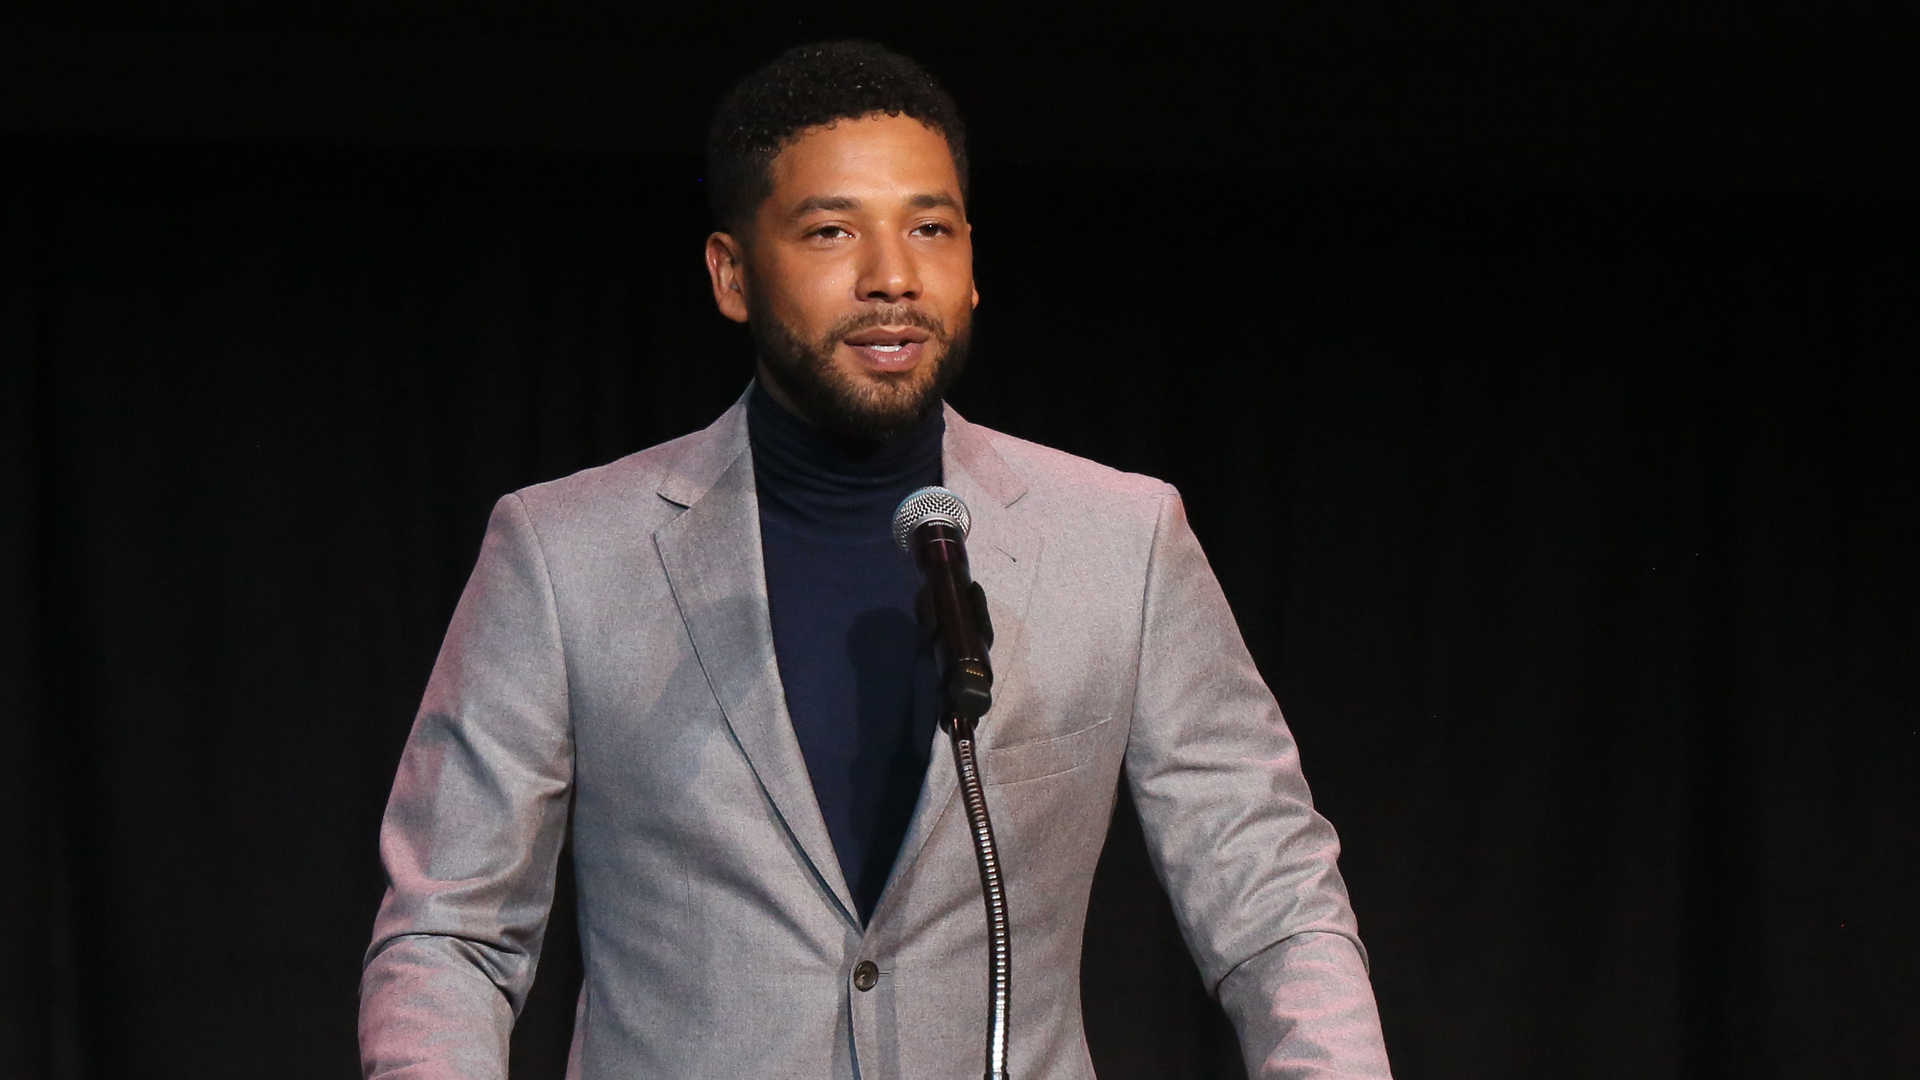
(929, 504)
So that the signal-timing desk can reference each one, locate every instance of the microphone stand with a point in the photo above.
(931, 525)
(993, 888)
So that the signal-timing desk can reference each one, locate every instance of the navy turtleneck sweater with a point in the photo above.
(859, 685)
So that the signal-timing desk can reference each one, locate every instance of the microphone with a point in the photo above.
(931, 525)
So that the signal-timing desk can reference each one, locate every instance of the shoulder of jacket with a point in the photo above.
(623, 493)
(1070, 484)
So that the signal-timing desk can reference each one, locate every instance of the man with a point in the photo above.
(704, 655)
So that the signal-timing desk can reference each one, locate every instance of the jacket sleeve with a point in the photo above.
(474, 827)
(1250, 866)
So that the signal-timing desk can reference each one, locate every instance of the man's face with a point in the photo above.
(858, 278)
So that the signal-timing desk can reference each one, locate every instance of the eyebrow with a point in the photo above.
(825, 202)
(843, 203)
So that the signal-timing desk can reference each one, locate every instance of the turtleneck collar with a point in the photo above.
(827, 485)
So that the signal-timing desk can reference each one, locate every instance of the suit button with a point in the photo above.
(866, 975)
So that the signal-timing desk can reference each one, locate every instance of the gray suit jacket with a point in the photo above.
(611, 659)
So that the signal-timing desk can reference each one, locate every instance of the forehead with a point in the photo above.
(871, 157)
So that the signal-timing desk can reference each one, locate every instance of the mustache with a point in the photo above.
(893, 315)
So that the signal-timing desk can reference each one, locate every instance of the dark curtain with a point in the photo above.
(1575, 532)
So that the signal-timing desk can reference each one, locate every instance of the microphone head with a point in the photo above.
(927, 505)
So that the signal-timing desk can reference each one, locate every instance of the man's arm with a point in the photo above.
(1250, 866)
(474, 828)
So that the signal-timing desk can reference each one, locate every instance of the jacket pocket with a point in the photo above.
(1021, 762)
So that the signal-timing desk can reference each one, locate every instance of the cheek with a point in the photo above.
(957, 296)
(951, 278)
(811, 299)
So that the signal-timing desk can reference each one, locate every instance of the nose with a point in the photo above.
(888, 272)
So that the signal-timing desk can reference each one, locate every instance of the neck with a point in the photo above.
(806, 474)
(763, 381)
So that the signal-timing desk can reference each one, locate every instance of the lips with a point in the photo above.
(888, 335)
(889, 356)
(886, 348)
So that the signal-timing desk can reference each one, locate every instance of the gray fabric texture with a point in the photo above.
(611, 657)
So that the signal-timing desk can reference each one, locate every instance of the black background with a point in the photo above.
(1540, 381)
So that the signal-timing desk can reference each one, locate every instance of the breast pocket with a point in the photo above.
(1040, 758)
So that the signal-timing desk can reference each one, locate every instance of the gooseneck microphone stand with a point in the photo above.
(932, 525)
(993, 888)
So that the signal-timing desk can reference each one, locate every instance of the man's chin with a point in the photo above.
(862, 407)
(877, 414)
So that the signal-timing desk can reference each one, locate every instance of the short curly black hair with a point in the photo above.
(811, 86)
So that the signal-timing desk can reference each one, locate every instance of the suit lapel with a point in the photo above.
(1003, 552)
(714, 566)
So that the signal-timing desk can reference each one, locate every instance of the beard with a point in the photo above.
(863, 408)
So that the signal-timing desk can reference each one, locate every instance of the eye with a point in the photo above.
(934, 228)
(829, 232)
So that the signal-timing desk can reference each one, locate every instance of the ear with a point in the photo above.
(727, 269)
(976, 284)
